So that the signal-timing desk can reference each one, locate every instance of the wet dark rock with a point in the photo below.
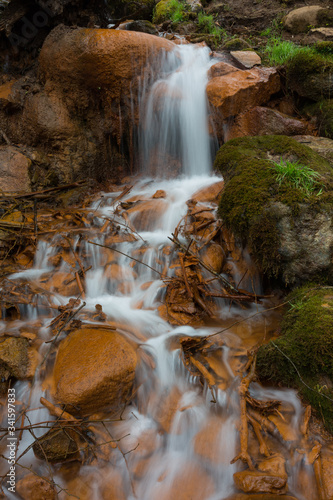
(14, 358)
(57, 445)
(142, 26)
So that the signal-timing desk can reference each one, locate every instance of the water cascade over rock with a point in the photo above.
(145, 314)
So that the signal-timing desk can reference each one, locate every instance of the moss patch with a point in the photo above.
(310, 74)
(323, 111)
(251, 189)
(307, 340)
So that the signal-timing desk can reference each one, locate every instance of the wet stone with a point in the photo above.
(32, 487)
(94, 369)
(260, 482)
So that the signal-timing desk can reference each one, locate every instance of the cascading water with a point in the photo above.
(176, 439)
(175, 124)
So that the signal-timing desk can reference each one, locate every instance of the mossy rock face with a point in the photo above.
(323, 112)
(236, 44)
(163, 11)
(289, 232)
(306, 343)
(311, 75)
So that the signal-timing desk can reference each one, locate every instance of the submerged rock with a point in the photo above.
(94, 370)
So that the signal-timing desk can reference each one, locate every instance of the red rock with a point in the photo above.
(265, 121)
(94, 369)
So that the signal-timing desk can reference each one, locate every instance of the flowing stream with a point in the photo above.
(178, 437)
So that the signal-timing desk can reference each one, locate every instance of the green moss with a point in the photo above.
(324, 47)
(251, 188)
(307, 343)
(323, 111)
(169, 9)
(310, 74)
(236, 44)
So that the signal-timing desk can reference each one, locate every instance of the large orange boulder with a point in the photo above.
(98, 58)
(94, 370)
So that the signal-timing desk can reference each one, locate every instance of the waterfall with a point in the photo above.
(174, 116)
(179, 431)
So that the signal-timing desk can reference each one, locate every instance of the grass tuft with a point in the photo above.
(300, 176)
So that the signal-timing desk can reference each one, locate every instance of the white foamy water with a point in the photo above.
(175, 123)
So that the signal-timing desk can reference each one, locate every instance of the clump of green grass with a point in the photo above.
(177, 11)
(300, 176)
(207, 25)
(278, 51)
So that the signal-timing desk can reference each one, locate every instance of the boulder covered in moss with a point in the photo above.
(302, 356)
(289, 230)
(310, 74)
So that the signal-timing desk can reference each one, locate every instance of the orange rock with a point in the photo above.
(98, 57)
(94, 369)
(274, 465)
(260, 482)
(327, 466)
(242, 496)
(5, 90)
(145, 213)
(159, 194)
(63, 283)
(237, 92)
(265, 121)
(220, 69)
(32, 487)
(213, 256)
(210, 193)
